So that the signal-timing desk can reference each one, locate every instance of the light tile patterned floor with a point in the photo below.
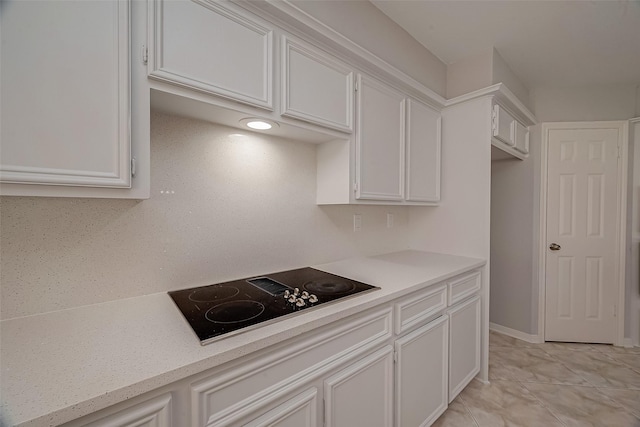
(551, 384)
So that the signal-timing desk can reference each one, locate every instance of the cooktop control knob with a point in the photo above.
(313, 299)
(286, 294)
(300, 302)
(296, 291)
(305, 295)
(292, 298)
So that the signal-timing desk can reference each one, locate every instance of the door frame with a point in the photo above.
(621, 226)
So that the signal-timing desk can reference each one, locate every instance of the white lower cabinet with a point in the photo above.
(421, 374)
(361, 394)
(398, 364)
(299, 411)
(152, 413)
(464, 344)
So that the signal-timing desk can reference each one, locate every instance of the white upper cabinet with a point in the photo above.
(316, 87)
(502, 124)
(509, 134)
(520, 137)
(208, 47)
(380, 136)
(395, 156)
(423, 152)
(66, 99)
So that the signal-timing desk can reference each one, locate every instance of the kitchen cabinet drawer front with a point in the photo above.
(380, 132)
(417, 309)
(63, 124)
(223, 51)
(464, 345)
(297, 411)
(464, 286)
(422, 374)
(361, 394)
(216, 397)
(521, 137)
(153, 413)
(502, 122)
(423, 152)
(316, 87)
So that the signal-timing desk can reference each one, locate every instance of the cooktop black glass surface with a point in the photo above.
(223, 309)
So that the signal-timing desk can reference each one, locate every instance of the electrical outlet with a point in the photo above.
(389, 220)
(357, 222)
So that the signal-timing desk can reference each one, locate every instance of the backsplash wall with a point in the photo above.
(224, 204)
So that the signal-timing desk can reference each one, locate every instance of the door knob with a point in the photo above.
(554, 247)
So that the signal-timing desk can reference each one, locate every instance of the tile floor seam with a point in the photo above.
(623, 363)
(620, 405)
(468, 410)
(541, 403)
(578, 374)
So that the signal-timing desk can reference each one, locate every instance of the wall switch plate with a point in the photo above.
(389, 220)
(357, 222)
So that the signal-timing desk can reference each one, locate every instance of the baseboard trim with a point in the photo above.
(627, 342)
(534, 339)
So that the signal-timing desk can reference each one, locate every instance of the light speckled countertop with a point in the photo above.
(62, 365)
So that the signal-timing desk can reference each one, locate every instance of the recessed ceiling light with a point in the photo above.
(258, 124)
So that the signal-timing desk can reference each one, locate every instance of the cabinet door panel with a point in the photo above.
(464, 344)
(502, 125)
(66, 93)
(421, 374)
(521, 137)
(423, 153)
(316, 87)
(221, 51)
(361, 395)
(379, 141)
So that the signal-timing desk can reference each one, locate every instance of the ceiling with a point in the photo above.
(546, 43)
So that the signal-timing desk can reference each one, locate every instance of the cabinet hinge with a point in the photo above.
(356, 84)
(355, 187)
(133, 166)
(145, 55)
(615, 310)
(395, 357)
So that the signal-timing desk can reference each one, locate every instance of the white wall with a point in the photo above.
(501, 73)
(366, 25)
(552, 104)
(460, 224)
(514, 225)
(470, 74)
(221, 208)
(484, 70)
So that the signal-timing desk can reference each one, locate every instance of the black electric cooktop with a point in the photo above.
(217, 311)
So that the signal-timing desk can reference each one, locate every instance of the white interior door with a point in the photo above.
(582, 242)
